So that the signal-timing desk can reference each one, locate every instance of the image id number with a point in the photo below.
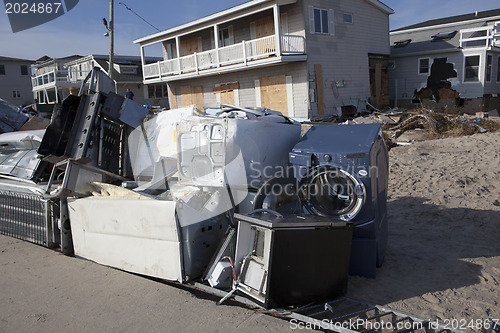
(36, 8)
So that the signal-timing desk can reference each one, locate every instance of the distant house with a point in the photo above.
(55, 79)
(15, 80)
(305, 58)
(460, 52)
(50, 82)
(127, 74)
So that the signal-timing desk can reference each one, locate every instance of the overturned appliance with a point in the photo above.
(342, 171)
(189, 174)
(283, 261)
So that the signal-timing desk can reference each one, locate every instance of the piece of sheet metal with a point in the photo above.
(139, 236)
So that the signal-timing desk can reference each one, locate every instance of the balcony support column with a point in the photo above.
(178, 50)
(277, 27)
(143, 63)
(216, 42)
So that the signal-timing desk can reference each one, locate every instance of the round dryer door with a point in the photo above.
(331, 191)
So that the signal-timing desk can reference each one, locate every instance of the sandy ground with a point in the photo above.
(443, 256)
(443, 260)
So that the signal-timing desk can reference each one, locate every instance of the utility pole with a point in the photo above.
(111, 39)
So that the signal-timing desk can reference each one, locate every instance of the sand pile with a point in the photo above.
(443, 257)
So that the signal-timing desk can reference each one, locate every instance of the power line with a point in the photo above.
(139, 16)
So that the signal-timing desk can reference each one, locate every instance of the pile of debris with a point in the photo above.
(425, 124)
(440, 125)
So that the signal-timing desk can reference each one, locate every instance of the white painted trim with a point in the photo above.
(331, 22)
(236, 93)
(289, 96)
(480, 70)
(253, 33)
(258, 100)
(383, 7)
(447, 25)
(418, 66)
(486, 69)
(284, 24)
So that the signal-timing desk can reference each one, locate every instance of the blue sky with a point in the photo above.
(80, 31)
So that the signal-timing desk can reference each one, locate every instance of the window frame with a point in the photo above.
(489, 68)
(352, 18)
(27, 71)
(464, 78)
(419, 69)
(329, 24)
(498, 69)
(156, 87)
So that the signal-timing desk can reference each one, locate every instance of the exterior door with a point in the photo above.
(379, 80)
(273, 93)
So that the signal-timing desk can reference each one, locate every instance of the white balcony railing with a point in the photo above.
(488, 36)
(240, 53)
(59, 76)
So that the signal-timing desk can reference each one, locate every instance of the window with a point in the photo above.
(489, 65)
(157, 91)
(348, 18)
(226, 36)
(2, 69)
(16, 94)
(498, 69)
(24, 70)
(424, 66)
(471, 69)
(321, 21)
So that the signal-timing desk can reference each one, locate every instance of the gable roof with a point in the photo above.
(2, 58)
(488, 14)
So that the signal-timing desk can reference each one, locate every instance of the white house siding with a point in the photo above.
(493, 87)
(344, 56)
(14, 81)
(247, 90)
(405, 70)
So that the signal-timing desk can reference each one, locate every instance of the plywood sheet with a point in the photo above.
(273, 93)
(189, 46)
(192, 95)
(264, 27)
(319, 86)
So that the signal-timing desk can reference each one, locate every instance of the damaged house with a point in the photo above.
(454, 61)
(305, 58)
(56, 79)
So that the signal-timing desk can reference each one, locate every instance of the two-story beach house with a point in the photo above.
(15, 84)
(50, 81)
(305, 58)
(461, 53)
(55, 79)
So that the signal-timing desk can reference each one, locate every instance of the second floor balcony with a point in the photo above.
(487, 36)
(57, 77)
(250, 53)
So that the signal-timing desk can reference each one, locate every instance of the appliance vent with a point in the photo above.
(26, 216)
